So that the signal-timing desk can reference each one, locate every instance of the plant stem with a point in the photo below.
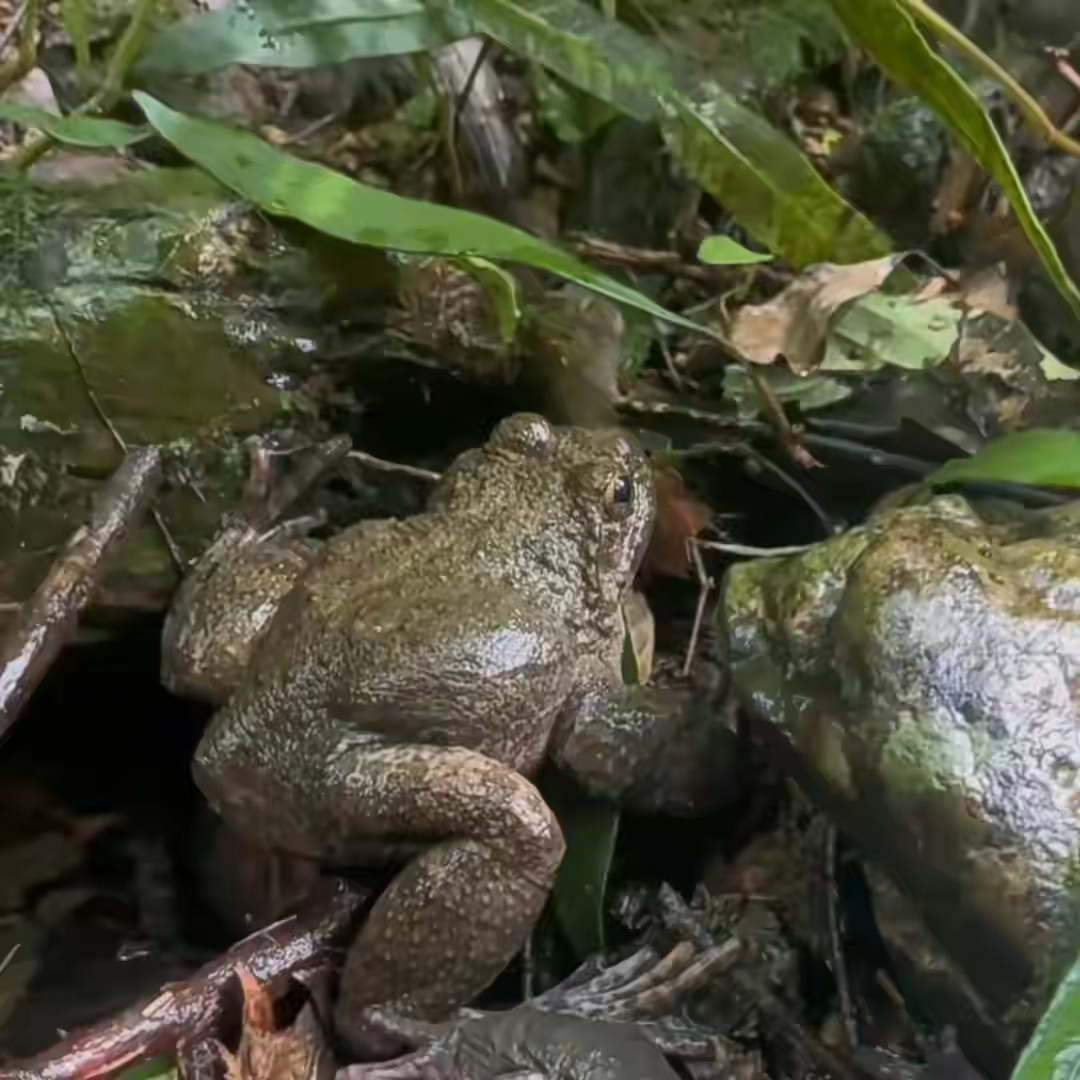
(1029, 107)
(26, 19)
(123, 56)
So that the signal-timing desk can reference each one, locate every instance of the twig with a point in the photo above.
(120, 61)
(25, 20)
(790, 481)
(752, 552)
(647, 259)
(47, 619)
(309, 129)
(690, 412)
(195, 1008)
(1029, 107)
(470, 81)
(1060, 59)
(453, 116)
(705, 585)
(394, 467)
(10, 956)
(110, 427)
(16, 19)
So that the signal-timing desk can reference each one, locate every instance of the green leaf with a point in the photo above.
(206, 42)
(590, 828)
(573, 115)
(892, 39)
(74, 129)
(1053, 1051)
(904, 331)
(723, 251)
(1025, 457)
(334, 204)
(76, 19)
(766, 183)
(500, 291)
(753, 170)
(602, 57)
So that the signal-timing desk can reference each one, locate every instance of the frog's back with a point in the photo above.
(403, 632)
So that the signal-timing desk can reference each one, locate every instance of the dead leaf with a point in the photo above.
(680, 516)
(298, 1052)
(987, 290)
(795, 324)
(640, 625)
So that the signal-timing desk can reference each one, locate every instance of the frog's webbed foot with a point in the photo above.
(602, 1023)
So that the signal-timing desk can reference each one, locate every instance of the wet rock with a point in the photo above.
(144, 306)
(919, 674)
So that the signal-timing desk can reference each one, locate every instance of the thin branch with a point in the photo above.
(462, 98)
(195, 1009)
(1062, 65)
(705, 586)
(173, 548)
(120, 61)
(13, 25)
(394, 467)
(1029, 107)
(750, 552)
(646, 259)
(46, 620)
(25, 20)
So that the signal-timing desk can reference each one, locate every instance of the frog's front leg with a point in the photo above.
(653, 750)
(226, 601)
(453, 919)
(222, 608)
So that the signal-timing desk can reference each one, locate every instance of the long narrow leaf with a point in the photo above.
(74, 130)
(206, 42)
(1037, 456)
(1053, 1051)
(766, 183)
(753, 170)
(334, 204)
(890, 36)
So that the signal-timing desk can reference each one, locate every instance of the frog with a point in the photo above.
(388, 696)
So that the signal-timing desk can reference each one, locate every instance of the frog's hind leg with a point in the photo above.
(485, 848)
(455, 916)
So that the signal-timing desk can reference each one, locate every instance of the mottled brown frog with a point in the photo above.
(388, 697)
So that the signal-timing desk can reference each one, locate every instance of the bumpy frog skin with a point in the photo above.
(400, 686)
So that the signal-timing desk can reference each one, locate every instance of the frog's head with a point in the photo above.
(589, 489)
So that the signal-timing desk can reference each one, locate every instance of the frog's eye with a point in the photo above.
(619, 495)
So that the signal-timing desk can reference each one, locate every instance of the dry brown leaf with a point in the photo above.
(297, 1052)
(987, 290)
(680, 516)
(794, 325)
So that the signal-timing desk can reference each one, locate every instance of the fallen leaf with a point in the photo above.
(641, 630)
(680, 516)
(795, 324)
(297, 1052)
(987, 290)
